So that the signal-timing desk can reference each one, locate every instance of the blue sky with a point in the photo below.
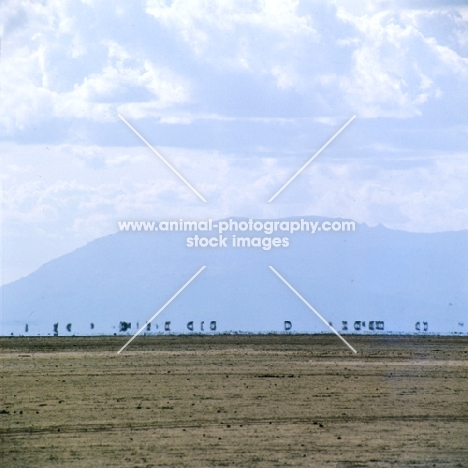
(237, 95)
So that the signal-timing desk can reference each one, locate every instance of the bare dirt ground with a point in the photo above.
(246, 401)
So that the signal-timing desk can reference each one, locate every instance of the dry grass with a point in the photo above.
(247, 401)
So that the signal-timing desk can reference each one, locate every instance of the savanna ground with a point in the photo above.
(246, 401)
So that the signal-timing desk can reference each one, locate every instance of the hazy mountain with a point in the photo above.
(371, 275)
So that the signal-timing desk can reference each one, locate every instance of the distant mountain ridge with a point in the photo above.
(373, 280)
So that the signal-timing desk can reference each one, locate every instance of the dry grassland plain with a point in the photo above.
(246, 401)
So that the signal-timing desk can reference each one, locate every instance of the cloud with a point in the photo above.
(261, 38)
(131, 183)
(99, 96)
(197, 21)
(238, 94)
(43, 77)
(278, 59)
(396, 68)
(390, 64)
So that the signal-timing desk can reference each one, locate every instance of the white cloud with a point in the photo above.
(121, 75)
(42, 78)
(62, 60)
(67, 194)
(230, 74)
(332, 121)
(392, 66)
(255, 37)
(192, 19)
(286, 78)
(395, 66)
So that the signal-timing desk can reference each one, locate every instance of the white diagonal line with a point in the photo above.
(161, 309)
(162, 158)
(312, 309)
(311, 159)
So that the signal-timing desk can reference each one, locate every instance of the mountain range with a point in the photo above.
(371, 280)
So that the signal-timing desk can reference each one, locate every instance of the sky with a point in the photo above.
(237, 95)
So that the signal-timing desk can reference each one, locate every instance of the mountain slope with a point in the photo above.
(372, 274)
